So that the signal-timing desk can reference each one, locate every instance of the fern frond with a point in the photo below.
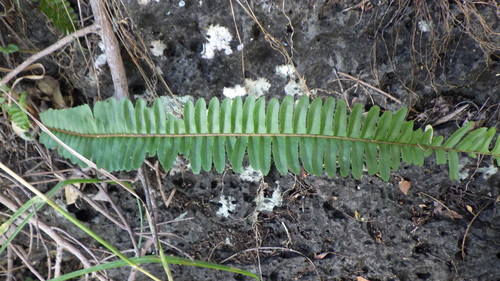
(61, 14)
(318, 136)
(16, 114)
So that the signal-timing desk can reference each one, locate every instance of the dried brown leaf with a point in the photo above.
(404, 186)
(70, 194)
(322, 255)
(451, 214)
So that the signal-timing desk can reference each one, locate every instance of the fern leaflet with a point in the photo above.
(61, 14)
(16, 114)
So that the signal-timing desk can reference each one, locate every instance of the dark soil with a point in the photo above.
(319, 228)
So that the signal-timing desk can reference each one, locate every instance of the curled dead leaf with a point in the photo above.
(24, 134)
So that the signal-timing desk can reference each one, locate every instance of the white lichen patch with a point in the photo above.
(175, 106)
(488, 171)
(463, 174)
(180, 166)
(145, 2)
(424, 26)
(157, 48)
(226, 206)
(267, 204)
(285, 71)
(100, 61)
(236, 91)
(294, 86)
(249, 174)
(218, 38)
(257, 87)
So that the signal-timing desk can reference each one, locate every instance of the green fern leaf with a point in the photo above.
(317, 136)
(16, 114)
(61, 14)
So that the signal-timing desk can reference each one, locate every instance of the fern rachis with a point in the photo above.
(318, 136)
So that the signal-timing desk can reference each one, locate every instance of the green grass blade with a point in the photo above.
(154, 259)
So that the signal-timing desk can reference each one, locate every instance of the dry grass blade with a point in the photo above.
(47, 229)
(369, 86)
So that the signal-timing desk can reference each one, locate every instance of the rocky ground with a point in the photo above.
(431, 56)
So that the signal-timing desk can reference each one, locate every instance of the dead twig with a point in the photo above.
(150, 204)
(470, 225)
(10, 264)
(21, 254)
(52, 48)
(111, 49)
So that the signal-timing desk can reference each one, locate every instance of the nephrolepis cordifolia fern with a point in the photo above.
(17, 116)
(60, 13)
(319, 136)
